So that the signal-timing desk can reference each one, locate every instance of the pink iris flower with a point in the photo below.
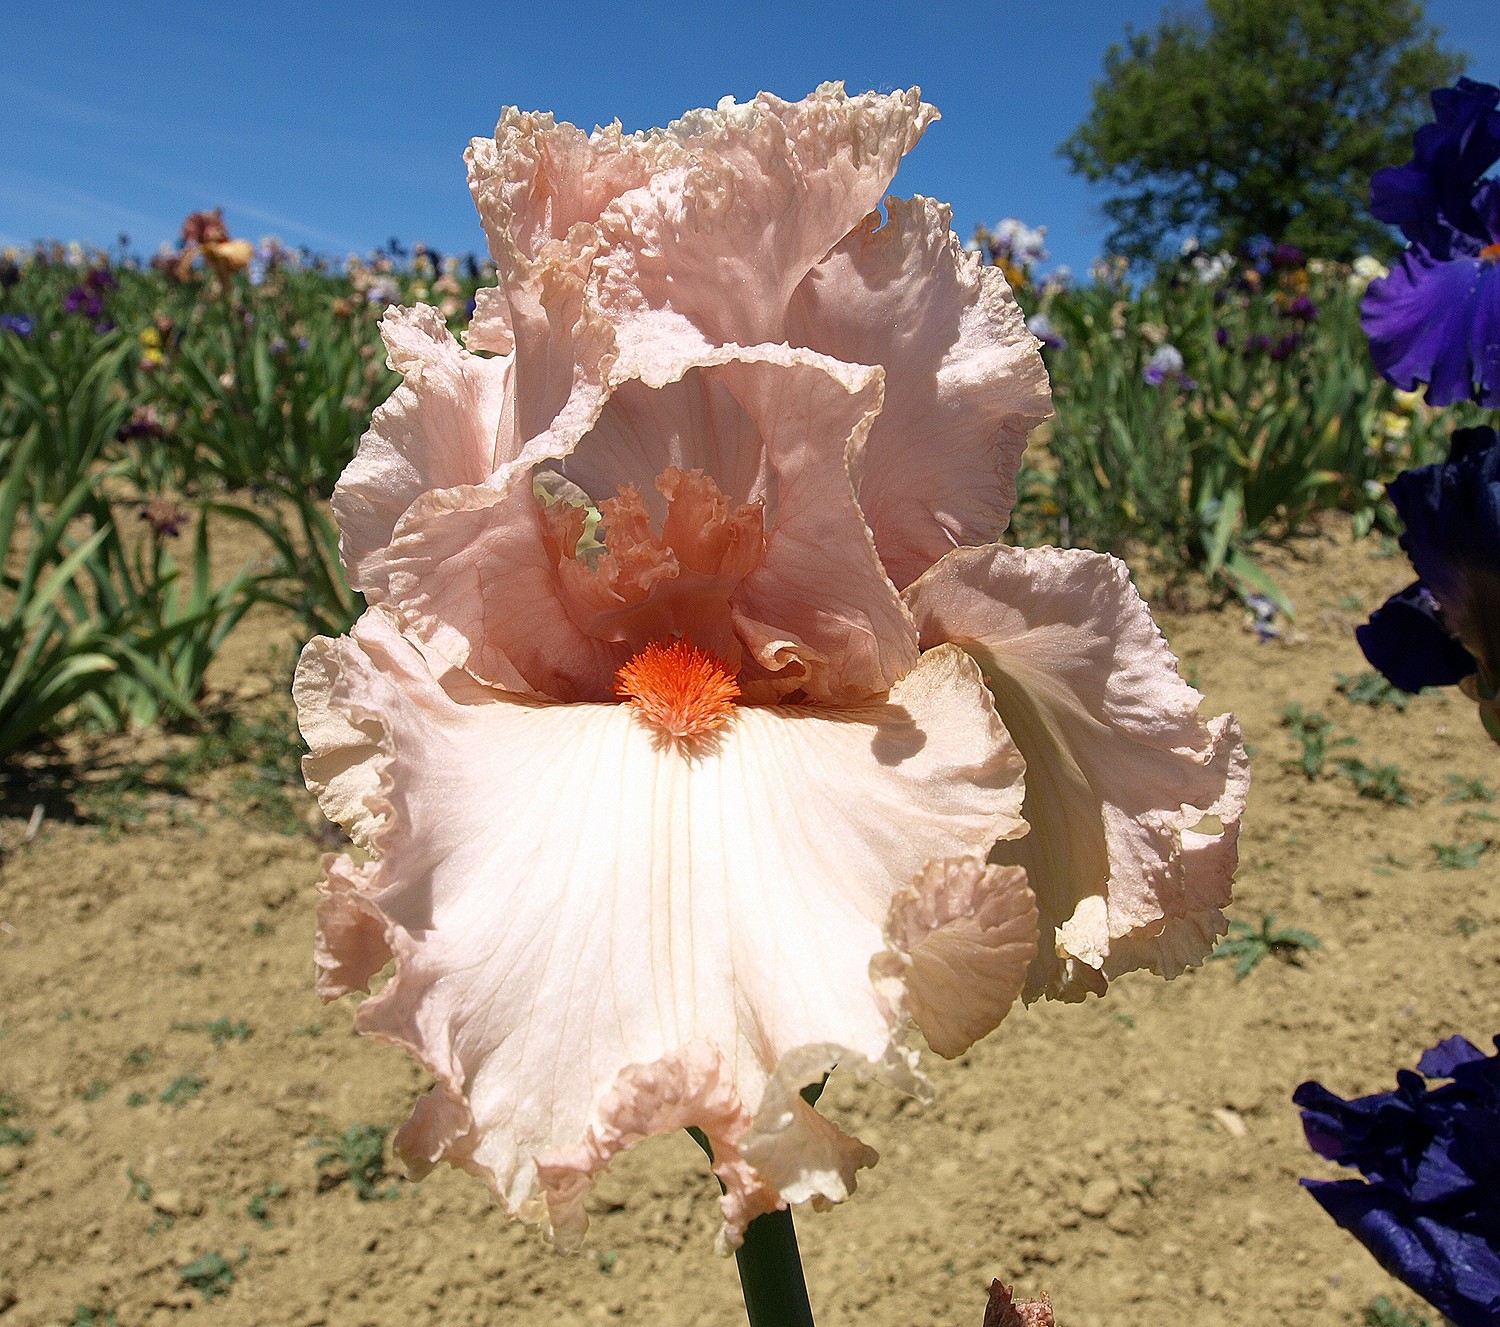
(699, 737)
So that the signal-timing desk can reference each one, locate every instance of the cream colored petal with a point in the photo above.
(351, 945)
(443, 426)
(960, 938)
(598, 936)
(471, 573)
(1134, 801)
(740, 198)
(743, 201)
(964, 380)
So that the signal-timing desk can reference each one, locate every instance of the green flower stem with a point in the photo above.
(770, 1265)
(771, 1273)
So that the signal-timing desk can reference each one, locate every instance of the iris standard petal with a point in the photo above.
(442, 426)
(964, 380)
(473, 572)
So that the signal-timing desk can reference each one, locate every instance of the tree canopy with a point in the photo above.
(1259, 117)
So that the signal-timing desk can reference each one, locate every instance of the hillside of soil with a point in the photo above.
(173, 1091)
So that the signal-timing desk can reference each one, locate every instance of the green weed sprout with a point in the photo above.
(357, 1156)
(1248, 946)
(210, 1274)
(1371, 689)
(1468, 790)
(1459, 856)
(1315, 733)
(1380, 782)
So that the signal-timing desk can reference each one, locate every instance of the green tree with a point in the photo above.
(1259, 117)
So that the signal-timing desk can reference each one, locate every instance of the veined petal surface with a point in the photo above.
(599, 935)
(964, 379)
(442, 426)
(1133, 800)
(473, 574)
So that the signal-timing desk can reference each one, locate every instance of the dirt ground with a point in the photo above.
(166, 1067)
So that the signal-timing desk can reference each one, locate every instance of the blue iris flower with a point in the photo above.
(1436, 317)
(1429, 1205)
(1445, 628)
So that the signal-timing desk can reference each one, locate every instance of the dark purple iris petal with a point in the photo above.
(1429, 1206)
(1452, 517)
(1437, 322)
(1406, 641)
(1432, 198)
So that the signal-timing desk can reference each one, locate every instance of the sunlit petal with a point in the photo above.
(1134, 801)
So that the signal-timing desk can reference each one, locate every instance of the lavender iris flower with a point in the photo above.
(1429, 1205)
(1436, 317)
(18, 323)
(1166, 364)
(1041, 327)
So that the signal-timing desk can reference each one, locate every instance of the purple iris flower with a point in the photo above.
(1429, 1205)
(1041, 327)
(1287, 258)
(1436, 317)
(1446, 626)
(83, 300)
(1286, 346)
(1166, 365)
(1301, 310)
(18, 323)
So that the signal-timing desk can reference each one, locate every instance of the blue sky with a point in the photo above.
(338, 128)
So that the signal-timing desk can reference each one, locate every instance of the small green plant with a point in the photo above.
(607, 1258)
(1149, 1183)
(257, 1206)
(308, 1030)
(210, 1274)
(1380, 782)
(1459, 856)
(1371, 689)
(139, 1057)
(357, 1156)
(1248, 945)
(1315, 734)
(181, 1089)
(1466, 926)
(1382, 1313)
(93, 1315)
(12, 1135)
(97, 1088)
(1468, 790)
(219, 1031)
(138, 1187)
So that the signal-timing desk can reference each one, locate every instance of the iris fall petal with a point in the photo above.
(1134, 801)
(724, 906)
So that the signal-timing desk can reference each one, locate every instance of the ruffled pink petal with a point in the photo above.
(442, 426)
(475, 570)
(351, 945)
(739, 198)
(960, 938)
(1134, 801)
(598, 936)
(964, 380)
